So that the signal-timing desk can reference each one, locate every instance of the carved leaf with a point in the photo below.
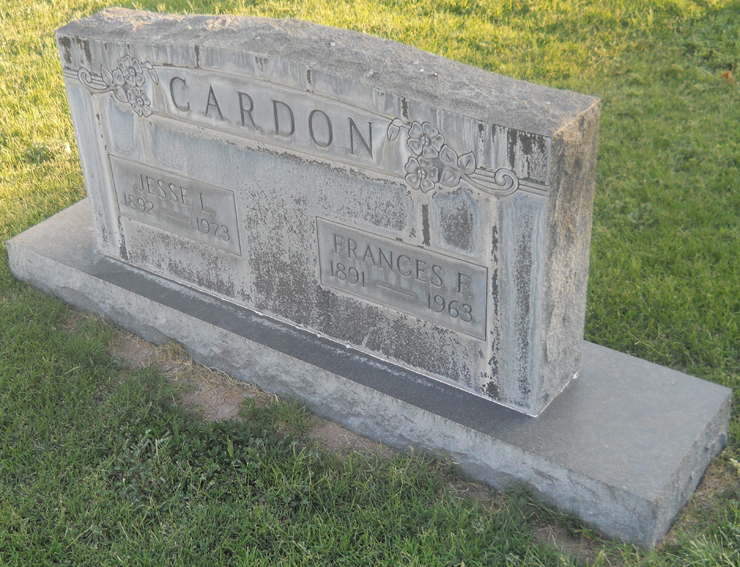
(107, 76)
(466, 162)
(450, 177)
(448, 156)
(120, 94)
(152, 73)
(394, 128)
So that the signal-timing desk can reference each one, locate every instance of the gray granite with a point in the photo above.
(425, 212)
(623, 447)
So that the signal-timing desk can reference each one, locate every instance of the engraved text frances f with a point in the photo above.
(445, 290)
(407, 267)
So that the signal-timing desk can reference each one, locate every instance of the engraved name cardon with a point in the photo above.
(432, 286)
(268, 112)
(176, 204)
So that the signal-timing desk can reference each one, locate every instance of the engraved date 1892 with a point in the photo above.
(138, 203)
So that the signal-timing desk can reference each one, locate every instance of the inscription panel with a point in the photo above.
(287, 117)
(177, 204)
(435, 287)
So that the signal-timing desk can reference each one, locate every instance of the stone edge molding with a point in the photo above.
(432, 164)
(579, 455)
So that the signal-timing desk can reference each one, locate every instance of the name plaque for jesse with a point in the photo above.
(444, 290)
(176, 204)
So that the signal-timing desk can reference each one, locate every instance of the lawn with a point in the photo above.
(99, 464)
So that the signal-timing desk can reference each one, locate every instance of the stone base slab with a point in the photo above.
(623, 447)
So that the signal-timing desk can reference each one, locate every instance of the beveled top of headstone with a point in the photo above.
(369, 60)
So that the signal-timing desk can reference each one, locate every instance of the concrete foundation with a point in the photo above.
(623, 447)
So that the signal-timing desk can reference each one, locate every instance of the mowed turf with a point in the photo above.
(99, 466)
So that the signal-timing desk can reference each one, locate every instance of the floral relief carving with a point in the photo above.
(126, 82)
(434, 163)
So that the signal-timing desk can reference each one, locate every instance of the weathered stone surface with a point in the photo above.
(422, 211)
(623, 447)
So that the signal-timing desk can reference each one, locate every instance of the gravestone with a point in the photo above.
(397, 239)
(421, 211)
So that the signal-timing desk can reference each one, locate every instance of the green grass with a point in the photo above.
(99, 467)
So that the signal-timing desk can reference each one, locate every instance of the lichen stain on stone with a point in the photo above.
(528, 155)
(85, 44)
(425, 224)
(245, 296)
(385, 214)
(494, 270)
(282, 275)
(491, 390)
(281, 288)
(66, 44)
(429, 348)
(175, 257)
(522, 281)
(383, 211)
(122, 250)
(204, 278)
(457, 220)
(369, 328)
(326, 307)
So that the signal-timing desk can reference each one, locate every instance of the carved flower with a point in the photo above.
(139, 102)
(421, 174)
(131, 71)
(425, 140)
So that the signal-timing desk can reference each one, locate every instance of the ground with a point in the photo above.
(218, 397)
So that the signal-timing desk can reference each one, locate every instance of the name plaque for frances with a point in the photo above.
(176, 204)
(444, 290)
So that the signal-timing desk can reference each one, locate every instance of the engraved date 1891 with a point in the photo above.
(351, 275)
